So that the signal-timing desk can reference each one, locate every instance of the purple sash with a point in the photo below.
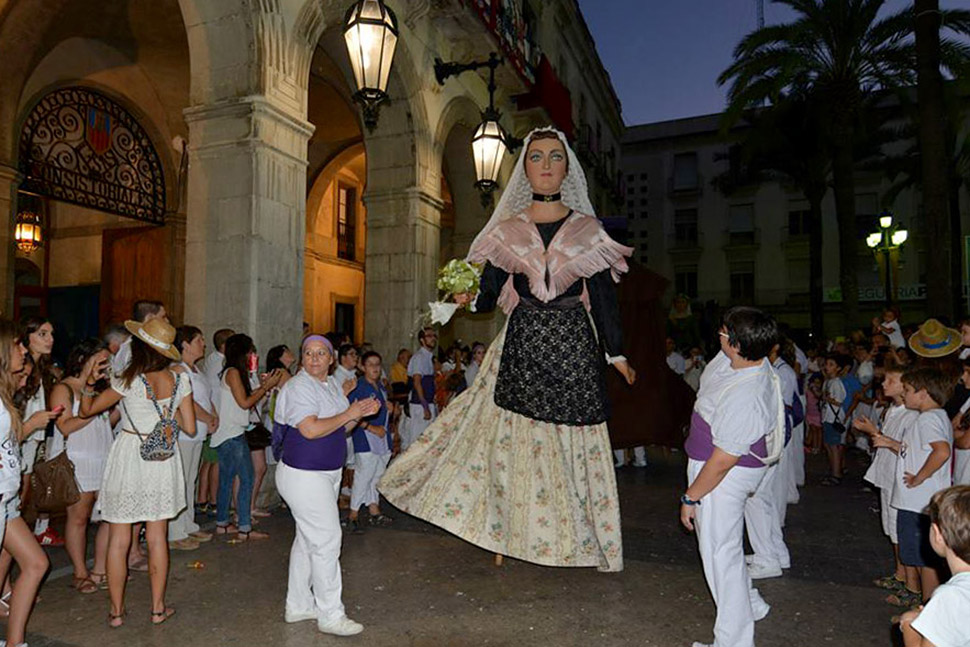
(700, 444)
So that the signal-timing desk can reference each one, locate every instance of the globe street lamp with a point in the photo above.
(888, 239)
(370, 33)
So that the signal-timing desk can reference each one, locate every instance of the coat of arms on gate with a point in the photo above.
(97, 131)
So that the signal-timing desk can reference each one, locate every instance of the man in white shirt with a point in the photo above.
(214, 364)
(675, 360)
(421, 373)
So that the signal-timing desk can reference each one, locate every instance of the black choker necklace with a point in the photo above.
(538, 197)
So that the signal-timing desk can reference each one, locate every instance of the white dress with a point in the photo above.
(133, 489)
(87, 448)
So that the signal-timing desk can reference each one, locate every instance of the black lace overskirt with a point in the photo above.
(552, 368)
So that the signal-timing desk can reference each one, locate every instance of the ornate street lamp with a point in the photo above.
(888, 239)
(27, 233)
(370, 33)
(490, 141)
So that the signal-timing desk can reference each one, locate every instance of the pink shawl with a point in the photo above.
(580, 249)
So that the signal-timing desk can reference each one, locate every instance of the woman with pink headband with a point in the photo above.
(312, 419)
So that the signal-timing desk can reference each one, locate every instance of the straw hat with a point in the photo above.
(933, 339)
(159, 335)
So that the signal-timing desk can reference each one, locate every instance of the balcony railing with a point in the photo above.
(739, 239)
(685, 189)
(685, 243)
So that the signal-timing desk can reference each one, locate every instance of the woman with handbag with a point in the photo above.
(18, 540)
(87, 442)
(143, 479)
(236, 400)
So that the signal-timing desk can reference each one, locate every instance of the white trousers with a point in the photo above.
(184, 523)
(370, 468)
(798, 451)
(720, 536)
(762, 518)
(417, 424)
(314, 583)
(639, 455)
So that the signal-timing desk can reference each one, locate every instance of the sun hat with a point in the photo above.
(933, 339)
(158, 334)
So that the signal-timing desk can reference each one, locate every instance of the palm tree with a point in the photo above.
(845, 54)
(786, 144)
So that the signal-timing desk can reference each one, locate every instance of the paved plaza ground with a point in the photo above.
(413, 585)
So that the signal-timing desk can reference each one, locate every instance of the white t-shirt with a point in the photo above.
(304, 396)
(835, 390)
(931, 426)
(882, 470)
(471, 372)
(677, 363)
(789, 382)
(943, 621)
(422, 363)
(802, 359)
(745, 415)
(864, 372)
(961, 457)
(200, 394)
(9, 457)
(212, 368)
(342, 374)
(895, 333)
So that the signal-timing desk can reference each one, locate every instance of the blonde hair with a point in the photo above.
(8, 380)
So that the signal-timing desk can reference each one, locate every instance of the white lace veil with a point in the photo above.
(518, 194)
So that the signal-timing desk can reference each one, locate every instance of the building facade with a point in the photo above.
(209, 153)
(751, 246)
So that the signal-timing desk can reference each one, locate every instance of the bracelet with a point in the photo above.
(686, 500)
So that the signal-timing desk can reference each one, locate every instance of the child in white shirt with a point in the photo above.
(961, 435)
(882, 470)
(943, 621)
(889, 326)
(923, 469)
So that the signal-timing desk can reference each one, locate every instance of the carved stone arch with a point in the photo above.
(324, 177)
(86, 145)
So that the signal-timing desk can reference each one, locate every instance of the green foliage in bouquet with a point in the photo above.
(459, 276)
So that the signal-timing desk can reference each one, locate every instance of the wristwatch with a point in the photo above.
(686, 500)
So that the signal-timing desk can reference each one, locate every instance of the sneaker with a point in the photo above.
(342, 626)
(184, 544)
(759, 608)
(761, 571)
(699, 644)
(50, 537)
(299, 616)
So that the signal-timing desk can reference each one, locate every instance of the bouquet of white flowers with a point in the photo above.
(458, 276)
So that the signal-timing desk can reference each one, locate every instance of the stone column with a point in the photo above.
(10, 179)
(246, 218)
(402, 264)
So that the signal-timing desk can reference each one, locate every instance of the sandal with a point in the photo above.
(890, 583)
(115, 621)
(5, 604)
(84, 585)
(165, 614)
(231, 529)
(905, 598)
(831, 480)
(257, 512)
(380, 520)
(139, 565)
(252, 535)
(101, 581)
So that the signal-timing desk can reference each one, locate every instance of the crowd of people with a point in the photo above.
(896, 395)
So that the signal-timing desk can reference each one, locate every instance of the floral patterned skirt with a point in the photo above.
(535, 491)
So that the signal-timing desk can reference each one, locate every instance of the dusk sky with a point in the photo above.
(664, 56)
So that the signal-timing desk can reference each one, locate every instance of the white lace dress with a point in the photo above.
(133, 489)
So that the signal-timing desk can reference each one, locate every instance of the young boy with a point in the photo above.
(923, 469)
(943, 621)
(889, 326)
(372, 445)
(835, 399)
(738, 407)
(882, 470)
